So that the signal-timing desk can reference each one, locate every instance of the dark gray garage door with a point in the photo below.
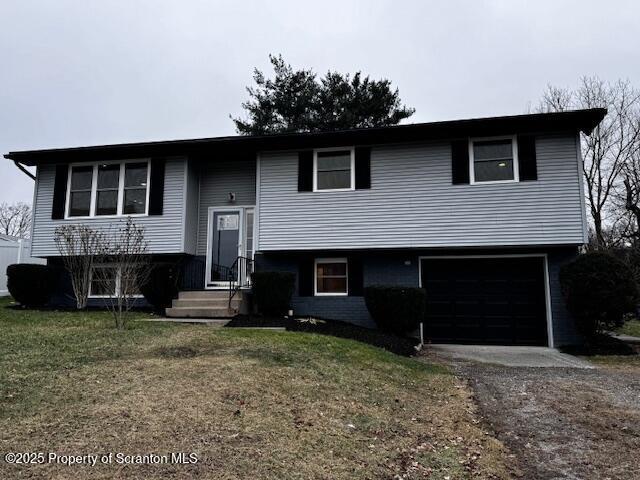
(485, 300)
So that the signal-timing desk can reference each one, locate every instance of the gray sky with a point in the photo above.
(92, 72)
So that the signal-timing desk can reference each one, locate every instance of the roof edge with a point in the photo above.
(583, 120)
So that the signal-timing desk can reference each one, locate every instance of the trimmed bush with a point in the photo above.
(272, 291)
(599, 290)
(29, 284)
(396, 309)
(161, 285)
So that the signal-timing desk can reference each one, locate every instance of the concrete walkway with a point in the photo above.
(509, 356)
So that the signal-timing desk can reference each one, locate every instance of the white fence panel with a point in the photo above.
(14, 252)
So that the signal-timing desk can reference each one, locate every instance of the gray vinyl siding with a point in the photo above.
(191, 208)
(163, 232)
(217, 180)
(412, 203)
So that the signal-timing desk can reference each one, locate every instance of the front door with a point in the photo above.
(225, 246)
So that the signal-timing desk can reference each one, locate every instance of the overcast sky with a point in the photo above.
(93, 72)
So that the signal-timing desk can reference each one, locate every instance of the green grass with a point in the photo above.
(632, 327)
(250, 403)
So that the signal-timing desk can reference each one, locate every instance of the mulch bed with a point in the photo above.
(399, 345)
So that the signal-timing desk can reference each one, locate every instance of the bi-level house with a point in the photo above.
(482, 213)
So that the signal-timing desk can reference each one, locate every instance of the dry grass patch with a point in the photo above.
(251, 404)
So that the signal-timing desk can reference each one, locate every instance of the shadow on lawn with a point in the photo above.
(602, 344)
(399, 345)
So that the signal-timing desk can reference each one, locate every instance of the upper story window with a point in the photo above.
(333, 169)
(80, 191)
(493, 160)
(102, 189)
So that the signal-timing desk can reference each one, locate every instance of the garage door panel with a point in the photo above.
(485, 300)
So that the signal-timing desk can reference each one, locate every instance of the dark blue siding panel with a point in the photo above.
(564, 329)
(402, 268)
(387, 268)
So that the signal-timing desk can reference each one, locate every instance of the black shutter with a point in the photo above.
(356, 277)
(527, 157)
(156, 194)
(363, 167)
(305, 171)
(305, 277)
(59, 192)
(460, 161)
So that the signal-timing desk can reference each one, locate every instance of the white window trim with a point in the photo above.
(118, 279)
(315, 277)
(94, 189)
(516, 163)
(352, 151)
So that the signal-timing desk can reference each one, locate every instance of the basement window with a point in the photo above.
(107, 281)
(331, 276)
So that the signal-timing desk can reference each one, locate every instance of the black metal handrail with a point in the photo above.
(242, 268)
(222, 272)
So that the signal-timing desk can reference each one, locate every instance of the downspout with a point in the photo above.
(24, 170)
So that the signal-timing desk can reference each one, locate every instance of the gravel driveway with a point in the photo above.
(562, 423)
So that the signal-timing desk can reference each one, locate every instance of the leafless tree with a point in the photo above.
(15, 219)
(630, 195)
(80, 247)
(610, 147)
(124, 265)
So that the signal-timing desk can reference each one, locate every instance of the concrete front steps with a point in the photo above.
(206, 304)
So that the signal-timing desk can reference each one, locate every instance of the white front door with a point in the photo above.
(230, 236)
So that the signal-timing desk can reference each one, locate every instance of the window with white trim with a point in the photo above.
(79, 195)
(107, 281)
(104, 281)
(493, 160)
(331, 276)
(333, 169)
(108, 189)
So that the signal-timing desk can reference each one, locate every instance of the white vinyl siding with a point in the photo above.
(412, 203)
(163, 232)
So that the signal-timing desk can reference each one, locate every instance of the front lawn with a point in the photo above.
(249, 403)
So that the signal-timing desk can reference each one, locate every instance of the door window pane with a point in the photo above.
(224, 248)
(333, 170)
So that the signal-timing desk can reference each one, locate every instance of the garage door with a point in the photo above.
(485, 300)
